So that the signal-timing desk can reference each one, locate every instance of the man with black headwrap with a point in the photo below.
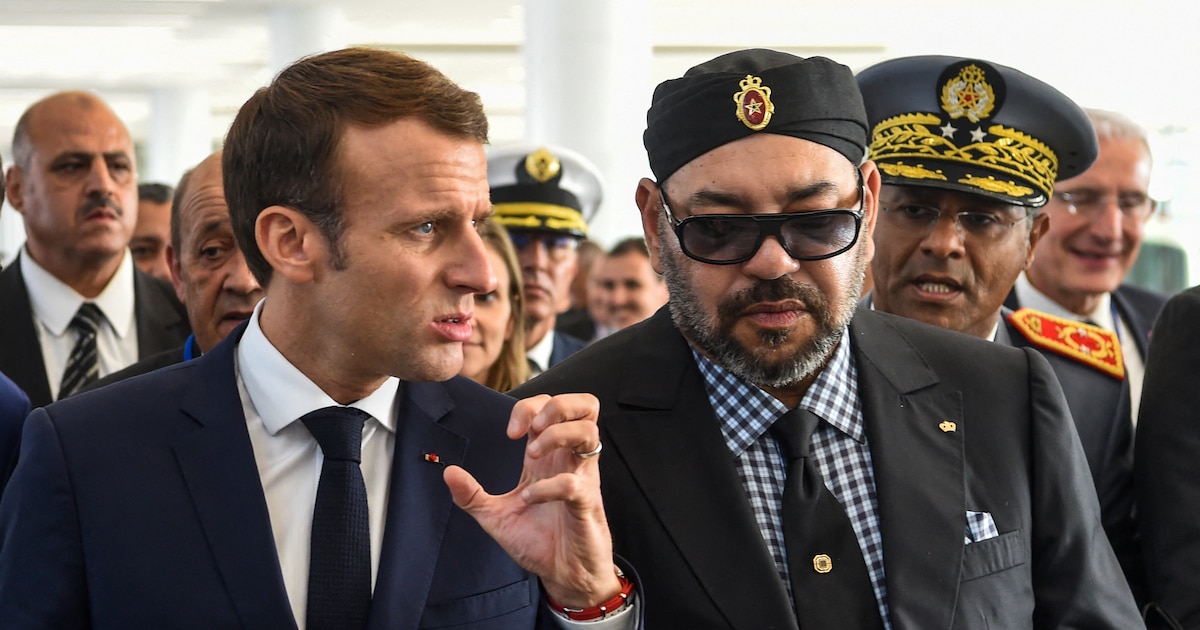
(769, 463)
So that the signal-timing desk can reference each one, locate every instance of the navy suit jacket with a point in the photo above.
(14, 406)
(139, 505)
(162, 324)
(564, 346)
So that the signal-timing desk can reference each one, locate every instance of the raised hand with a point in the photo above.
(553, 522)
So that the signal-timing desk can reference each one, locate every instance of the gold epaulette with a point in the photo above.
(1088, 344)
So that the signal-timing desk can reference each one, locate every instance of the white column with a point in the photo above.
(300, 30)
(588, 85)
(180, 133)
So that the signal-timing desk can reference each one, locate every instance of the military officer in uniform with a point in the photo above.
(969, 152)
(545, 196)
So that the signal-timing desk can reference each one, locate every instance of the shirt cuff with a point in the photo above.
(625, 618)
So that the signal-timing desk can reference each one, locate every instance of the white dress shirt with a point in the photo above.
(540, 354)
(275, 395)
(54, 304)
(1102, 316)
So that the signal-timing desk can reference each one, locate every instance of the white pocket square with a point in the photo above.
(980, 527)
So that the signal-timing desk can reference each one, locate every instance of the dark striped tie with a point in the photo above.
(83, 366)
(339, 571)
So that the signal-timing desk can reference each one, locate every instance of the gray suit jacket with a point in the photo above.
(162, 324)
(679, 513)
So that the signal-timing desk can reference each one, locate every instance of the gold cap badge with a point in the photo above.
(542, 165)
(754, 103)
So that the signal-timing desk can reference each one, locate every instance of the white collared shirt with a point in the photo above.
(54, 304)
(275, 394)
(1135, 366)
(540, 354)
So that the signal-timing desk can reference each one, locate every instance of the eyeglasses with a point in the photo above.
(555, 244)
(1088, 202)
(918, 221)
(727, 239)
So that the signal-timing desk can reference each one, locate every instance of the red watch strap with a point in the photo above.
(605, 609)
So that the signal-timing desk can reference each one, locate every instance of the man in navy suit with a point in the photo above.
(196, 496)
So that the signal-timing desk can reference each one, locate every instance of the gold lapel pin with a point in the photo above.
(433, 457)
(947, 427)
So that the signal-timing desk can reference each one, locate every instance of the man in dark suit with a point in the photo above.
(1168, 462)
(304, 473)
(207, 269)
(1097, 221)
(74, 181)
(943, 485)
(544, 197)
(948, 250)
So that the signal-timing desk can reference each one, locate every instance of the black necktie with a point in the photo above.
(830, 584)
(83, 366)
(339, 572)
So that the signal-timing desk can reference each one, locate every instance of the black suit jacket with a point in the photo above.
(1167, 464)
(1099, 405)
(161, 325)
(145, 366)
(139, 505)
(679, 513)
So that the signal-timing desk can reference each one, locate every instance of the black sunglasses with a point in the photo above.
(727, 239)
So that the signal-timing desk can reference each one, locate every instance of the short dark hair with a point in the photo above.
(282, 147)
(155, 192)
(631, 245)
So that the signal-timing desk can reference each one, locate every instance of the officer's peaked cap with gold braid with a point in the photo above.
(543, 189)
(973, 126)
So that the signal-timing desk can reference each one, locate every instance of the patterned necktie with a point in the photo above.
(830, 584)
(83, 366)
(339, 572)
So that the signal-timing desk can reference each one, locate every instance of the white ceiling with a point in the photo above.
(1135, 57)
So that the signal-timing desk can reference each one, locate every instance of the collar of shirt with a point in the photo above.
(1030, 297)
(281, 393)
(990, 337)
(540, 354)
(55, 304)
(745, 411)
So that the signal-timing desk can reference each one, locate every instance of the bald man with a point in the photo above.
(207, 268)
(74, 181)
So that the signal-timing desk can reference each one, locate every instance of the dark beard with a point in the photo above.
(754, 364)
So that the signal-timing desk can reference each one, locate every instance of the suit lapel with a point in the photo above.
(161, 324)
(218, 466)
(919, 473)
(21, 360)
(419, 505)
(708, 517)
(1139, 325)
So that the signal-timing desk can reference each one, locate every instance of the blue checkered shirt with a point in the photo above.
(839, 445)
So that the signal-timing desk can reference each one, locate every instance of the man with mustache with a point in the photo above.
(73, 306)
(949, 248)
(777, 458)
(544, 198)
(207, 268)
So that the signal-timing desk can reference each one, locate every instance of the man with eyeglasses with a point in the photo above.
(544, 196)
(1097, 220)
(771, 463)
(948, 248)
